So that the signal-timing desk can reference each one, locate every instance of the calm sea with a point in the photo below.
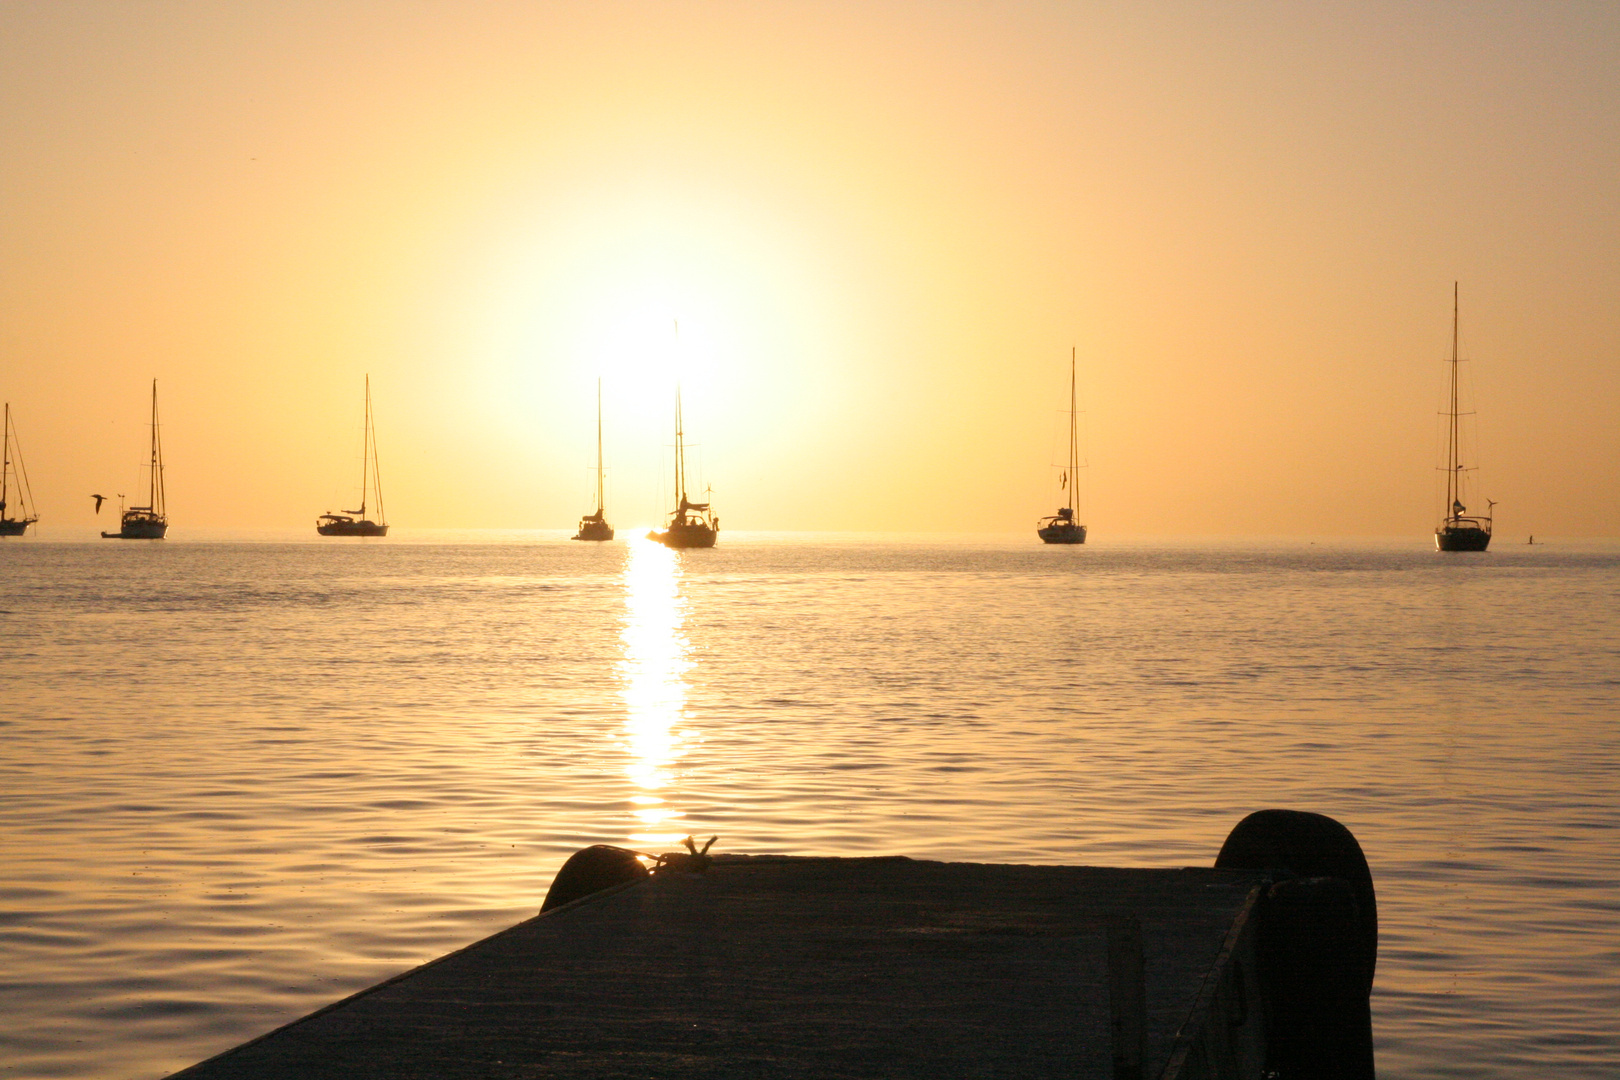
(241, 779)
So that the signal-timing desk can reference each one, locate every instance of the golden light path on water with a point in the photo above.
(652, 679)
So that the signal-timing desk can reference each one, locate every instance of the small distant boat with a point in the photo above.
(1458, 531)
(148, 522)
(11, 463)
(595, 526)
(691, 525)
(355, 522)
(1061, 528)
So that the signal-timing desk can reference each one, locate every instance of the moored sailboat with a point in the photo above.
(595, 526)
(149, 522)
(1458, 530)
(11, 464)
(355, 522)
(1061, 527)
(691, 525)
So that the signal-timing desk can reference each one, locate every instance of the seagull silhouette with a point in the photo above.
(99, 500)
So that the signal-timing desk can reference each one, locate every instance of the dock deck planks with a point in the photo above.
(789, 967)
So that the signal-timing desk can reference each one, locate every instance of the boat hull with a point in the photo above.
(139, 525)
(593, 530)
(14, 526)
(1461, 538)
(351, 528)
(1066, 533)
(686, 536)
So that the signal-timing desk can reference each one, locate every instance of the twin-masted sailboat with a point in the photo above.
(1061, 527)
(595, 526)
(11, 464)
(1458, 530)
(691, 525)
(149, 522)
(355, 522)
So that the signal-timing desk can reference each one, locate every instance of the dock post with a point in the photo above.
(1127, 998)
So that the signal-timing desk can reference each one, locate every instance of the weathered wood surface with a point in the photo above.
(771, 966)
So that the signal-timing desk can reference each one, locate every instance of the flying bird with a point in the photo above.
(99, 500)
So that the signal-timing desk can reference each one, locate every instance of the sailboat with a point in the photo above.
(1458, 531)
(14, 526)
(355, 522)
(595, 526)
(691, 525)
(147, 522)
(1061, 528)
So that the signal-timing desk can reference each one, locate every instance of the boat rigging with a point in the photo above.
(11, 464)
(595, 526)
(1458, 530)
(355, 522)
(1061, 527)
(149, 522)
(691, 525)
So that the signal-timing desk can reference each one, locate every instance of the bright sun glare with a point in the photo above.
(644, 290)
(599, 291)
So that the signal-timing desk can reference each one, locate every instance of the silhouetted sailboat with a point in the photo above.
(1458, 531)
(1061, 528)
(355, 522)
(148, 522)
(691, 525)
(595, 526)
(11, 464)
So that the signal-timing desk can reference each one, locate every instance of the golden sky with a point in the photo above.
(881, 227)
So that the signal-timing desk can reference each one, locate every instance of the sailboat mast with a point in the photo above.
(1074, 420)
(5, 458)
(1453, 479)
(365, 448)
(154, 496)
(599, 444)
(680, 454)
(376, 461)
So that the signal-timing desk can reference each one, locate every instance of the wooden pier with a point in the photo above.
(775, 966)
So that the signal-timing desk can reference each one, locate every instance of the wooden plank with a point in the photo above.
(771, 966)
(1225, 1034)
(1127, 998)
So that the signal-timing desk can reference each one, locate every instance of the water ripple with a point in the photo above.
(241, 780)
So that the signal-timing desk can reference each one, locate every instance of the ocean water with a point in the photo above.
(242, 777)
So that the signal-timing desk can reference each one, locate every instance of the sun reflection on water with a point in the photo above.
(654, 688)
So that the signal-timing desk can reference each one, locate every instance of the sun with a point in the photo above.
(646, 292)
(647, 328)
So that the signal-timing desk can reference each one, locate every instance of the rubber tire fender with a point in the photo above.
(1317, 944)
(590, 870)
(1309, 845)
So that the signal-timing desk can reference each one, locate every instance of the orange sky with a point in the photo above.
(881, 226)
